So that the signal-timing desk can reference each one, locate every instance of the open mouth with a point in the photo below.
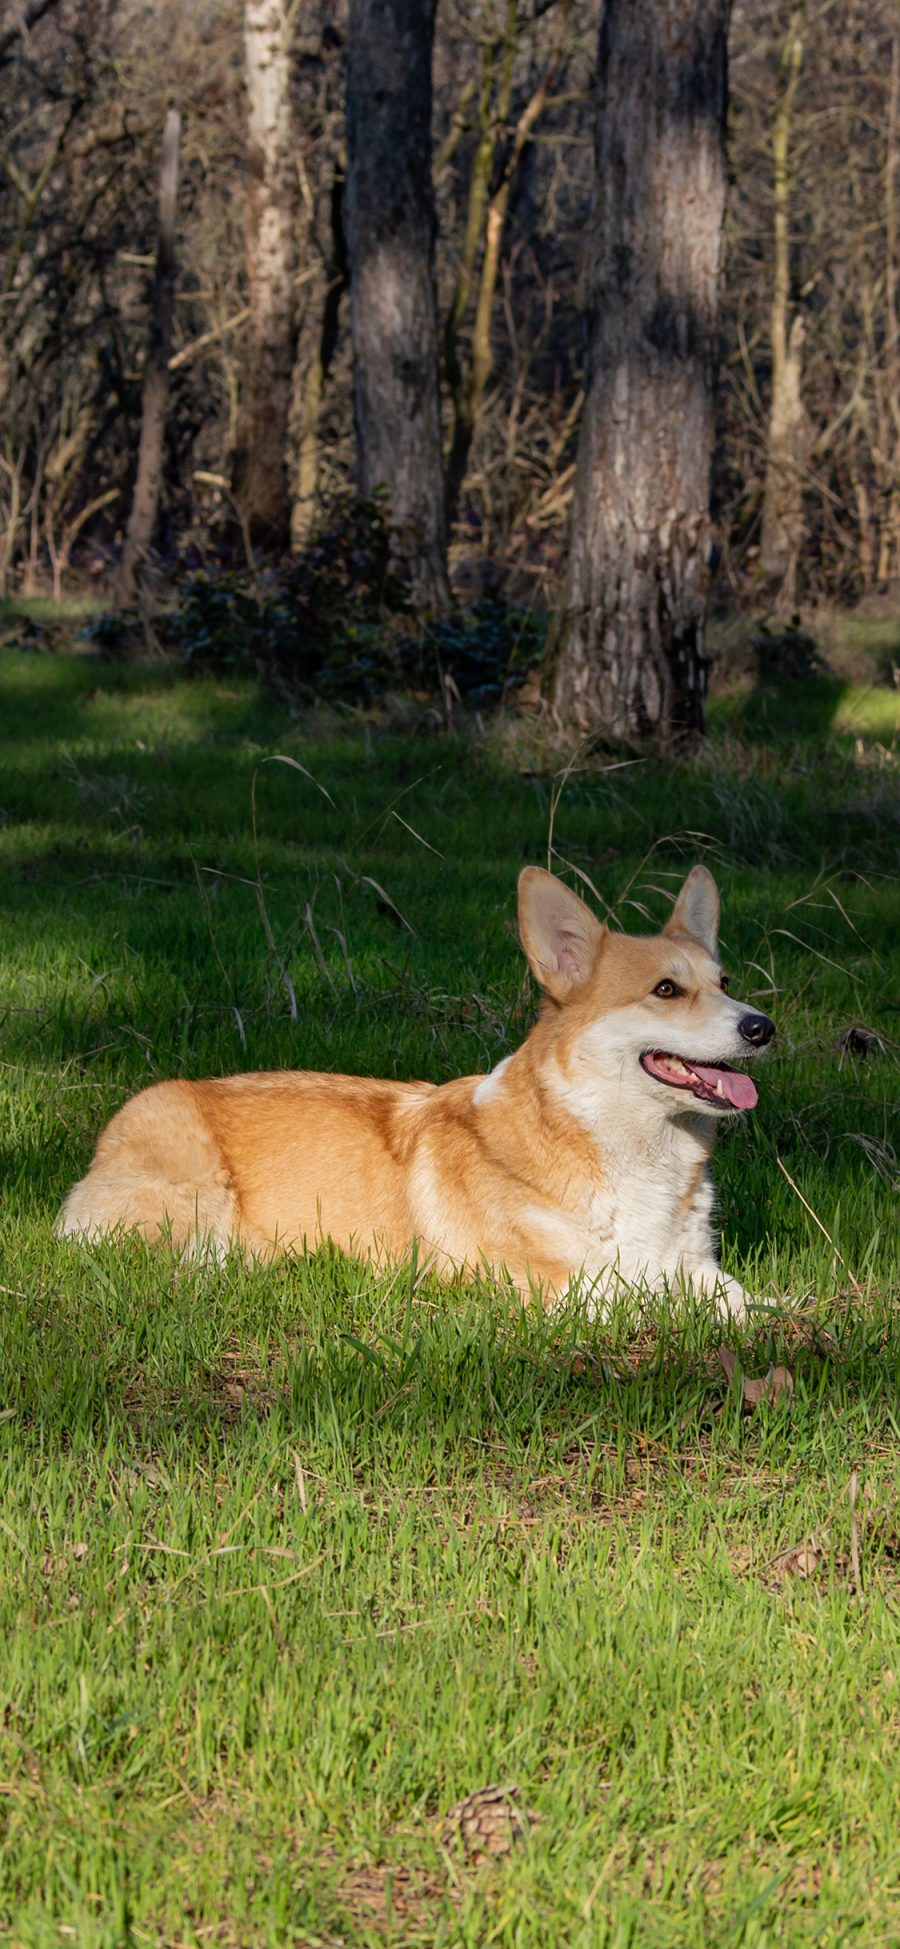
(718, 1083)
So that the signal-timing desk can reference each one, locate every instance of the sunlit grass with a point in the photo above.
(49, 609)
(295, 1559)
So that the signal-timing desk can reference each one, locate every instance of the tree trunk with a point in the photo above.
(628, 660)
(787, 451)
(390, 236)
(484, 231)
(790, 437)
(142, 519)
(889, 545)
(318, 344)
(260, 475)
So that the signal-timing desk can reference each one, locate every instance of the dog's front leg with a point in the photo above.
(708, 1281)
(697, 1266)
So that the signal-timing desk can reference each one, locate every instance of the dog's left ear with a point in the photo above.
(696, 910)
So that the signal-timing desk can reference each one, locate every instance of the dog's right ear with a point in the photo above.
(560, 935)
(696, 910)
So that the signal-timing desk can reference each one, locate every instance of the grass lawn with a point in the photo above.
(293, 1560)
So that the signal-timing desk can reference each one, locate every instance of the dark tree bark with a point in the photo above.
(317, 346)
(390, 237)
(260, 481)
(144, 507)
(628, 660)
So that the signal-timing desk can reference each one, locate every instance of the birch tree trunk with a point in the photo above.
(260, 482)
(787, 451)
(628, 660)
(144, 506)
(390, 237)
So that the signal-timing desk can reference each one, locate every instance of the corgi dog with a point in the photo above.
(581, 1160)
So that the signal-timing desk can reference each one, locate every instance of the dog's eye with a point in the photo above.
(667, 990)
(725, 985)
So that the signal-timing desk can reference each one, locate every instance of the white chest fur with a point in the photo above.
(647, 1210)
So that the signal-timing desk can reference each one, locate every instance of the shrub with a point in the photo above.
(336, 624)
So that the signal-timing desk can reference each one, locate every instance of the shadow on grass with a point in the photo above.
(51, 697)
(782, 713)
(59, 698)
(381, 1372)
(124, 970)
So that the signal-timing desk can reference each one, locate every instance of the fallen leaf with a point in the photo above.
(768, 1387)
(778, 1381)
(801, 1561)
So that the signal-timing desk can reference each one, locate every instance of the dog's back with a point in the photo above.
(268, 1161)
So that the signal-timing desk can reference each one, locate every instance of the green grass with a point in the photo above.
(292, 1560)
(65, 612)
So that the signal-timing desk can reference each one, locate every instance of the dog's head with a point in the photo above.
(650, 1013)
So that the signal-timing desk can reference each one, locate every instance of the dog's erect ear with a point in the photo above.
(560, 935)
(696, 911)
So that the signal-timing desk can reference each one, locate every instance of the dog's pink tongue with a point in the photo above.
(739, 1090)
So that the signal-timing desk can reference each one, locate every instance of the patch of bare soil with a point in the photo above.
(381, 1896)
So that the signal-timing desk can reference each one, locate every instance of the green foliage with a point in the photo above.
(786, 652)
(335, 625)
(292, 1559)
(487, 648)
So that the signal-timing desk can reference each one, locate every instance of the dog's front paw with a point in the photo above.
(727, 1294)
(736, 1300)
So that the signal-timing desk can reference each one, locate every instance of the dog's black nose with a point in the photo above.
(756, 1029)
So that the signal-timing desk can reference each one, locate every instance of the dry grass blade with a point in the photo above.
(321, 962)
(855, 1568)
(281, 758)
(585, 879)
(808, 946)
(416, 835)
(854, 1282)
(367, 880)
(341, 939)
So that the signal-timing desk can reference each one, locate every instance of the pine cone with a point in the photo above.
(487, 1823)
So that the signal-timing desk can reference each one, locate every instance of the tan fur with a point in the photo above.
(506, 1171)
